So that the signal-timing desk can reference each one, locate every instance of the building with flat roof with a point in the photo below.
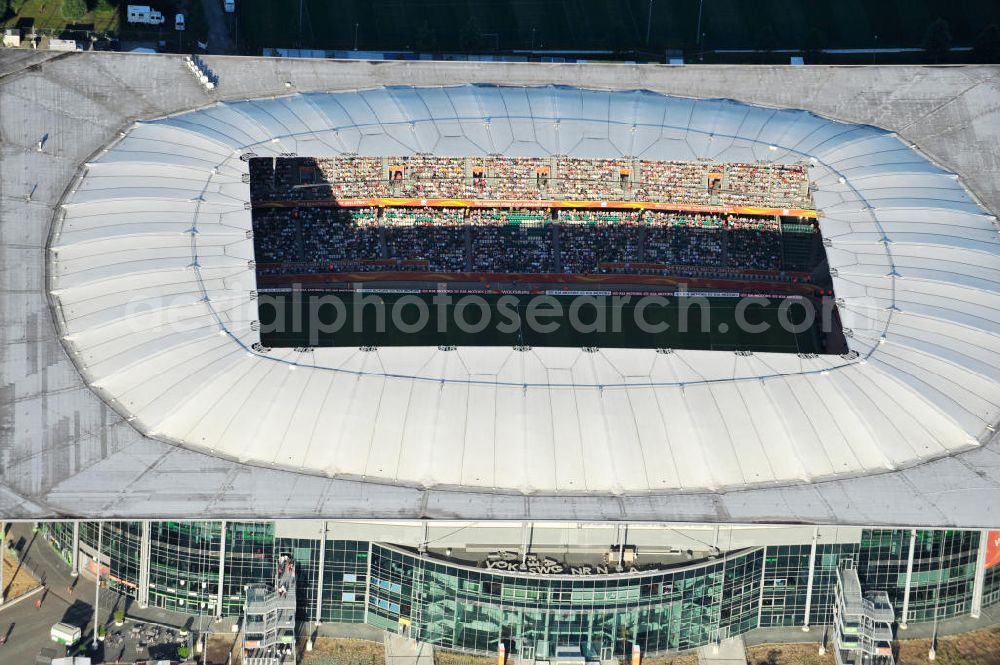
(537, 586)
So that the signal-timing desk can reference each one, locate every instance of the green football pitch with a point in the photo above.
(395, 319)
(621, 26)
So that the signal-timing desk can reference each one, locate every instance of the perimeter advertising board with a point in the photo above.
(992, 549)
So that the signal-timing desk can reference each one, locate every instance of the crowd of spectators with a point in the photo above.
(344, 174)
(598, 216)
(531, 178)
(595, 179)
(749, 184)
(683, 240)
(502, 216)
(435, 177)
(512, 248)
(584, 247)
(506, 178)
(434, 239)
(679, 182)
(293, 240)
(754, 242)
(511, 240)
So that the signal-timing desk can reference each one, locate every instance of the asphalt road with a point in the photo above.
(218, 30)
(64, 599)
(27, 626)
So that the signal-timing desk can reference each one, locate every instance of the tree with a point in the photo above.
(765, 37)
(470, 36)
(74, 10)
(986, 48)
(425, 40)
(937, 41)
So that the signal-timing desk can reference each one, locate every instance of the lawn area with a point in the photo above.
(682, 659)
(477, 25)
(980, 647)
(219, 648)
(445, 657)
(335, 651)
(19, 584)
(788, 654)
(46, 16)
(106, 18)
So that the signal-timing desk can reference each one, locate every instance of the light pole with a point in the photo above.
(97, 586)
(356, 36)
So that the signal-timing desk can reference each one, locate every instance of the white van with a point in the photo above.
(179, 22)
(229, 6)
(144, 14)
(65, 634)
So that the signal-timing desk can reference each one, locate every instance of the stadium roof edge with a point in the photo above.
(105, 444)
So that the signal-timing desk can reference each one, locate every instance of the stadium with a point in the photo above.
(605, 588)
(487, 228)
(165, 239)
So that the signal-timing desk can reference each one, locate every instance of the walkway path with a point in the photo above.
(401, 650)
(728, 652)
(218, 28)
(71, 600)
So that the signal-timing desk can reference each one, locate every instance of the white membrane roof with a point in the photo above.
(150, 275)
(67, 450)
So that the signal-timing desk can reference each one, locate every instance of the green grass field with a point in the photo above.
(689, 326)
(105, 18)
(485, 25)
(47, 15)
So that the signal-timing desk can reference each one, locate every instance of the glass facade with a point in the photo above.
(944, 567)
(345, 575)
(828, 558)
(473, 609)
